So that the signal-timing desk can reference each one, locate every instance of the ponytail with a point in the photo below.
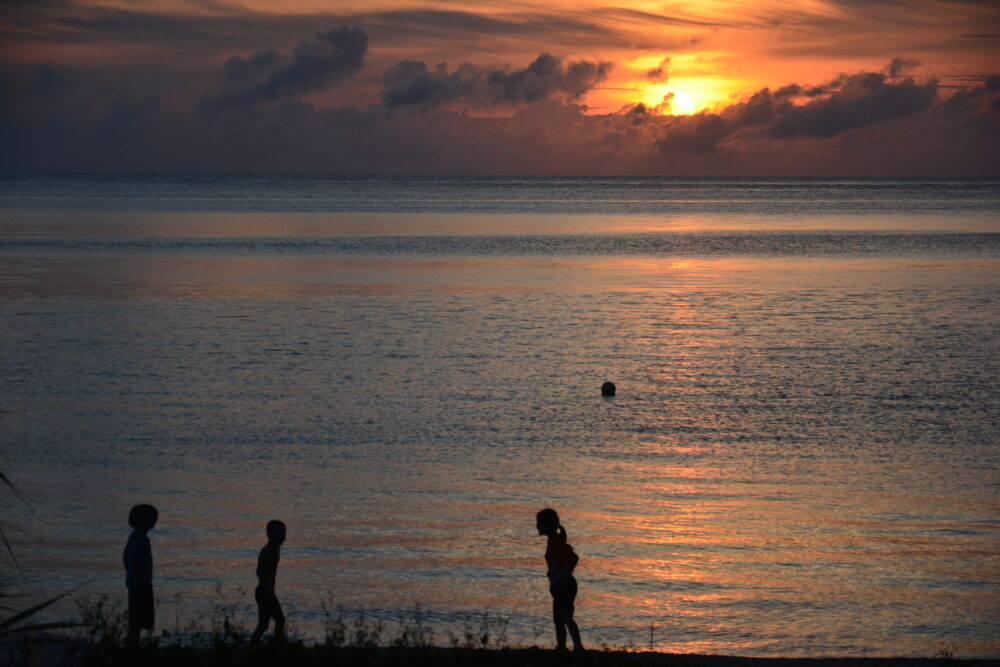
(549, 521)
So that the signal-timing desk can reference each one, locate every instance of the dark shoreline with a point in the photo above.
(53, 652)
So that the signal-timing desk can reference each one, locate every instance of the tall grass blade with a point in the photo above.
(8, 624)
(3, 537)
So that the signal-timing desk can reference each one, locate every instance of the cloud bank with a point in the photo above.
(294, 109)
(269, 76)
(410, 82)
(850, 102)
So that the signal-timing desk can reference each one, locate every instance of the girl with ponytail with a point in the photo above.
(561, 560)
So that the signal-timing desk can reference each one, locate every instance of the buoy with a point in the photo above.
(608, 389)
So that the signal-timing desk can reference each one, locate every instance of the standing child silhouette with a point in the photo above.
(561, 560)
(138, 559)
(268, 606)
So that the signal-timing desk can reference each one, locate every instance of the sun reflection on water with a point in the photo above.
(762, 482)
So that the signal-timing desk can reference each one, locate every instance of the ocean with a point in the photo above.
(802, 458)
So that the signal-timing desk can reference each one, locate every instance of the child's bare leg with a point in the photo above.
(257, 634)
(560, 636)
(279, 621)
(562, 614)
(574, 632)
(263, 619)
(558, 617)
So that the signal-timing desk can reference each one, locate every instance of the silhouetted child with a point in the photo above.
(268, 606)
(138, 559)
(561, 560)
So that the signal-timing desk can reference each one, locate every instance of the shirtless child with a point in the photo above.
(268, 606)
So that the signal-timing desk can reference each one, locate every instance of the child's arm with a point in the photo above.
(267, 566)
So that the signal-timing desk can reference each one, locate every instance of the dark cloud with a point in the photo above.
(637, 114)
(849, 102)
(696, 134)
(901, 67)
(858, 101)
(410, 82)
(761, 108)
(850, 125)
(985, 96)
(702, 133)
(547, 77)
(660, 72)
(269, 76)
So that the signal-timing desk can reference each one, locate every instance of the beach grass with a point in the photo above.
(355, 638)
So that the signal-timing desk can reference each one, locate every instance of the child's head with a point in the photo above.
(143, 517)
(547, 522)
(276, 531)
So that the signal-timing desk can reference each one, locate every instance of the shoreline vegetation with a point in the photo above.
(98, 638)
(305, 656)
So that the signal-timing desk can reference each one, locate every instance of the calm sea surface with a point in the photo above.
(803, 457)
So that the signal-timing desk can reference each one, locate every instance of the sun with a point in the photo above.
(679, 99)
(681, 85)
(681, 104)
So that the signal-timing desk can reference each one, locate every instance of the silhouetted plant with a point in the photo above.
(103, 623)
(228, 624)
(467, 640)
(414, 631)
(366, 635)
(945, 654)
(3, 536)
(490, 630)
(351, 638)
(334, 627)
(19, 621)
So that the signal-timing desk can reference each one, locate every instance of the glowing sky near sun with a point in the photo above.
(158, 59)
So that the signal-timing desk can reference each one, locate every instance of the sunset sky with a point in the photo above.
(800, 87)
